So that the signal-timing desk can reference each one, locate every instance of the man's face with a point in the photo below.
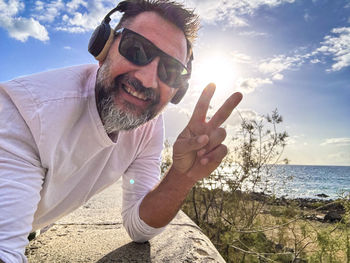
(128, 95)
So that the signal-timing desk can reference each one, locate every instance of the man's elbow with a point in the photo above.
(137, 229)
(135, 234)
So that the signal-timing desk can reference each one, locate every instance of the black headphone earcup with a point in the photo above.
(179, 94)
(100, 41)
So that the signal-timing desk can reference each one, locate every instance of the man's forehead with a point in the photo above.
(164, 34)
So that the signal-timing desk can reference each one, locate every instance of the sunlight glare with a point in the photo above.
(215, 68)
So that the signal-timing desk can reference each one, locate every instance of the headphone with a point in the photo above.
(102, 38)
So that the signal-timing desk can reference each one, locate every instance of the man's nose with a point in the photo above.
(148, 74)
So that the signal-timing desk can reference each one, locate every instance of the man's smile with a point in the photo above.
(139, 95)
(130, 92)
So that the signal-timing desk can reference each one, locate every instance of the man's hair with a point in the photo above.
(185, 19)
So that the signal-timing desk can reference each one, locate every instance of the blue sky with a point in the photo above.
(293, 55)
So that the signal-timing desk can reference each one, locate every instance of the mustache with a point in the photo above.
(149, 93)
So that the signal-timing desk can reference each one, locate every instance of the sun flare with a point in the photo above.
(215, 68)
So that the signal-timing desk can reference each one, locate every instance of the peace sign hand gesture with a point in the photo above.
(198, 150)
(196, 153)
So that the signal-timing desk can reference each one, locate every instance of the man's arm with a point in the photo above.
(21, 178)
(197, 152)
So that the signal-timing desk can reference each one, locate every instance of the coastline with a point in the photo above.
(249, 224)
(320, 209)
(310, 181)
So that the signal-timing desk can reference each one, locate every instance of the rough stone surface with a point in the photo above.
(94, 233)
(333, 216)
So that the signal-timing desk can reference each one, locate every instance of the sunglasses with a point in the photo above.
(140, 51)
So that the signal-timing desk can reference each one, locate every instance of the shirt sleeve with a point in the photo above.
(21, 177)
(141, 177)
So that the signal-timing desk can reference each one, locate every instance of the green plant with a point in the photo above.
(230, 205)
(221, 204)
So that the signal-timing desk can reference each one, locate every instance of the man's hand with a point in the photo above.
(199, 150)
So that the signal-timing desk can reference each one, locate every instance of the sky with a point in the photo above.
(293, 55)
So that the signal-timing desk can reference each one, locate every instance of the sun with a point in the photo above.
(217, 68)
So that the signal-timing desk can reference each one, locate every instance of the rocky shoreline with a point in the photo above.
(323, 210)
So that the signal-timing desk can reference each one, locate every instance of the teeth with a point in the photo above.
(140, 96)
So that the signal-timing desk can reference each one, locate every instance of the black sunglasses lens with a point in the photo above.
(169, 71)
(135, 50)
(141, 51)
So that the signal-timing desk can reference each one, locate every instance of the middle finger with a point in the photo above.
(225, 110)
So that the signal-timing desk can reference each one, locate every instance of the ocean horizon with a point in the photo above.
(292, 181)
(311, 181)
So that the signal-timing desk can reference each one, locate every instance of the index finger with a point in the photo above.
(225, 110)
(201, 108)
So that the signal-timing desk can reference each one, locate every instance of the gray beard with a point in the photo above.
(115, 119)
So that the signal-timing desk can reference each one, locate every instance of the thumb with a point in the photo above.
(185, 145)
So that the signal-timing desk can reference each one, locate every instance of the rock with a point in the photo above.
(320, 218)
(299, 260)
(322, 195)
(333, 216)
(335, 207)
(31, 236)
(279, 247)
(258, 196)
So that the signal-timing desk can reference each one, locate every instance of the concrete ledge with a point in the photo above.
(94, 233)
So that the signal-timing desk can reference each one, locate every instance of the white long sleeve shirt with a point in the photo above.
(55, 155)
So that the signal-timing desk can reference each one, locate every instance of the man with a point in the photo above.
(67, 134)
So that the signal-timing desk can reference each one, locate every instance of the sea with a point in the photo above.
(309, 181)
(292, 181)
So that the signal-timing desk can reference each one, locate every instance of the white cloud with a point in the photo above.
(315, 61)
(248, 114)
(337, 45)
(240, 57)
(75, 4)
(236, 22)
(18, 27)
(337, 142)
(252, 34)
(280, 63)
(251, 84)
(48, 12)
(39, 6)
(78, 22)
(77, 16)
(231, 11)
(277, 76)
(74, 29)
(67, 48)
(172, 128)
(22, 28)
(10, 8)
(291, 141)
(233, 123)
(296, 140)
